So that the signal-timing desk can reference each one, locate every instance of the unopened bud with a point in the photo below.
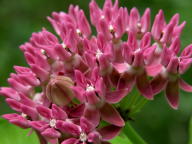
(59, 90)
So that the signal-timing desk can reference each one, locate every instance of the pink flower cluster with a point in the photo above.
(73, 80)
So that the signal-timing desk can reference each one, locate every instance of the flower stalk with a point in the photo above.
(132, 134)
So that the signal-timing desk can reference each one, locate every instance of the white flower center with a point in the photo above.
(90, 88)
(43, 51)
(98, 53)
(102, 17)
(78, 31)
(111, 28)
(52, 123)
(83, 137)
(164, 72)
(158, 50)
(137, 50)
(23, 115)
(64, 45)
(139, 25)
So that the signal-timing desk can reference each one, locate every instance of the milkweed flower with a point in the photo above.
(74, 79)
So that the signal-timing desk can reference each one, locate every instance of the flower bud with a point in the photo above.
(59, 91)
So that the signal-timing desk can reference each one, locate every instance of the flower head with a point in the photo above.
(74, 79)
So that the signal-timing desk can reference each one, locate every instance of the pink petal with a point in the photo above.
(145, 21)
(150, 55)
(71, 40)
(153, 70)
(138, 59)
(184, 65)
(158, 83)
(94, 137)
(144, 86)
(175, 45)
(132, 41)
(166, 56)
(58, 113)
(20, 69)
(185, 86)
(168, 31)
(26, 100)
(52, 141)
(70, 141)
(178, 29)
(17, 119)
(100, 87)
(45, 112)
(30, 112)
(127, 53)
(119, 24)
(89, 59)
(92, 115)
(107, 4)
(109, 132)
(79, 93)
(62, 52)
(126, 81)
(10, 116)
(40, 72)
(80, 78)
(172, 93)
(17, 85)
(84, 24)
(134, 19)
(103, 27)
(105, 66)
(116, 96)
(158, 25)
(86, 125)
(111, 115)
(51, 133)
(121, 67)
(187, 52)
(172, 67)
(92, 98)
(107, 12)
(94, 12)
(21, 122)
(9, 92)
(146, 41)
(39, 125)
(15, 105)
(77, 111)
(68, 127)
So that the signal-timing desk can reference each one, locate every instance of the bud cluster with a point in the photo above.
(74, 80)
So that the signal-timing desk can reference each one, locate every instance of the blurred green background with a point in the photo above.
(157, 123)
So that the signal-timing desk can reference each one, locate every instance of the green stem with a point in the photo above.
(190, 131)
(132, 134)
(139, 105)
(130, 99)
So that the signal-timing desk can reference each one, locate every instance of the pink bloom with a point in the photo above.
(93, 92)
(47, 126)
(167, 74)
(74, 81)
(86, 132)
(133, 67)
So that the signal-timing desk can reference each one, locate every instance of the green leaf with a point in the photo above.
(11, 134)
(121, 140)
